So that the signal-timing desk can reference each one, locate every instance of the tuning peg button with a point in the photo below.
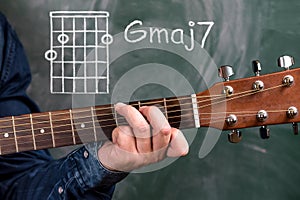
(235, 136)
(264, 132)
(295, 128)
(225, 72)
(256, 66)
(285, 61)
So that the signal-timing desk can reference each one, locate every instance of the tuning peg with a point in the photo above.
(256, 67)
(285, 62)
(295, 128)
(235, 136)
(264, 132)
(225, 72)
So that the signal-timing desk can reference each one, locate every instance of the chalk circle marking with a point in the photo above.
(63, 38)
(51, 55)
(107, 39)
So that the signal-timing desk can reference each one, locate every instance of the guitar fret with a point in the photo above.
(93, 119)
(15, 135)
(0, 149)
(62, 128)
(32, 131)
(72, 126)
(116, 117)
(84, 125)
(42, 131)
(195, 110)
(7, 140)
(51, 125)
(166, 110)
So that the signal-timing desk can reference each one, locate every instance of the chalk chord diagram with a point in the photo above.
(79, 52)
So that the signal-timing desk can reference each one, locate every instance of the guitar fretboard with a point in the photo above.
(71, 127)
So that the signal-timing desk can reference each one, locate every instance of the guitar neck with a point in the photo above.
(83, 125)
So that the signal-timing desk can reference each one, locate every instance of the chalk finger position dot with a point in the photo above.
(63, 38)
(107, 39)
(51, 55)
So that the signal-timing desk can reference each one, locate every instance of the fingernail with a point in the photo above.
(119, 105)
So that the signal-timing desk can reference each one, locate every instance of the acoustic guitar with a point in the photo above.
(231, 105)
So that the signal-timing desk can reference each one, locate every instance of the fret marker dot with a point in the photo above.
(82, 125)
(6, 135)
(42, 130)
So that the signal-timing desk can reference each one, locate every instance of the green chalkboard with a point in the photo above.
(242, 31)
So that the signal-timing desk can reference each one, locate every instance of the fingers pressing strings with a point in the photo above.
(139, 125)
(145, 140)
(161, 133)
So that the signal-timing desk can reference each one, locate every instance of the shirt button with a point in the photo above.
(86, 154)
(60, 190)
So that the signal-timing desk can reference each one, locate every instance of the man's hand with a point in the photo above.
(141, 143)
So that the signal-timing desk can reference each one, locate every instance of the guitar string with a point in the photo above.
(84, 134)
(136, 104)
(76, 125)
(244, 114)
(150, 103)
(74, 112)
(78, 119)
(250, 113)
(83, 117)
(117, 118)
(168, 107)
(244, 95)
(80, 136)
(253, 111)
(76, 135)
(70, 136)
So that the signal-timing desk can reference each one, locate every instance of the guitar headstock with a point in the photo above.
(255, 101)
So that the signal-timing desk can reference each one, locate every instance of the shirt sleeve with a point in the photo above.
(78, 176)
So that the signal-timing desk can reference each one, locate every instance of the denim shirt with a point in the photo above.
(35, 174)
